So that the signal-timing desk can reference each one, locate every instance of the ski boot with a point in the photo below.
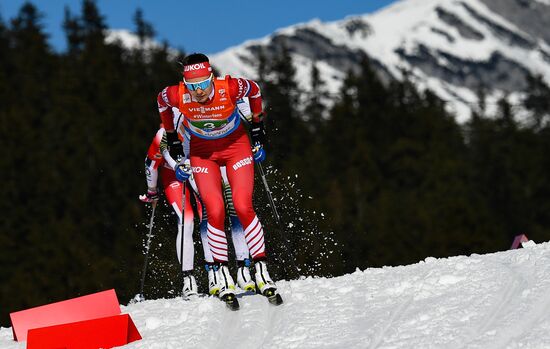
(244, 280)
(227, 288)
(189, 285)
(213, 284)
(265, 285)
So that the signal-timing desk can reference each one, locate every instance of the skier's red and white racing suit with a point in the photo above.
(218, 138)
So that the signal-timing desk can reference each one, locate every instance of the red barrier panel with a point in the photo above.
(104, 332)
(97, 305)
(518, 240)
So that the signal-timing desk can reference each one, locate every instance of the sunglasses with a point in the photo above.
(203, 85)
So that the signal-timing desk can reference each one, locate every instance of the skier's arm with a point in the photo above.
(181, 167)
(240, 88)
(249, 102)
(153, 160)
(166, 100)
(166, 153)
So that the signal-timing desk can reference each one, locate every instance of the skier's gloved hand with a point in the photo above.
(174, 146)
(257, 133)
(258, 152)
(183, 171)
(151, 196)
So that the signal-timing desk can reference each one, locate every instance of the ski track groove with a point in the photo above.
(233, 322)
(399, 311)
(228, 326)
(263, 324)
(268, 322)
(396, 315)
(541, 309)
(488, 320)
(536, 312)
(511, 289)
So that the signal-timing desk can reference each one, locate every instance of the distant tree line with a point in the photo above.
(384, 176)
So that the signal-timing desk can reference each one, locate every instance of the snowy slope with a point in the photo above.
(499, 300)
(454, 47)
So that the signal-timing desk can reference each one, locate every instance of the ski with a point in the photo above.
(195, 296)
(231, 301)
(273, 296)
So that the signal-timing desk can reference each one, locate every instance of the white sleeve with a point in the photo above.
(171, 162)
(244, 109)
(178, 124)
(151, 173)
(186, 145)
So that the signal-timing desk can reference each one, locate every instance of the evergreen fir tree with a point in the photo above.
(281, 96)
(73, 32)
(144, 30)
(537, 100)
(93, 24)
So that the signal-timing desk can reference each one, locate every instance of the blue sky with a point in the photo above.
(199, 26)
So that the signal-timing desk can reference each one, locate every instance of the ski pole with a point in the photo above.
(277, 217)
(139, 297)
(272, 203)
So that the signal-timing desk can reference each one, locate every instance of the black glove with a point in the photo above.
(174, 146)
(257, 133)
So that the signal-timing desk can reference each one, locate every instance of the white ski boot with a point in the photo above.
(226, 283)
(189, 286)
(213, 281)
(227, 288)
(244, 280)
(263, 280)
(266, 285)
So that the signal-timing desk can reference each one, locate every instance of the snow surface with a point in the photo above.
(499, 300)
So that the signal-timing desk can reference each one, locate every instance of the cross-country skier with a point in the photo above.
(159, 158)
(218, 138)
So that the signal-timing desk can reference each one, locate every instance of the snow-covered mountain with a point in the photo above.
(454, 47)
(492, 301)
(131, 41)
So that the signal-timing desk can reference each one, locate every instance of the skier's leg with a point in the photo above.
(242, 255)
(208, 178)
(241, 180)
(210, 266)
(184, 240)
(174, 196)
(237, 232)
(240, 173)
(203, 218)
(244, 280)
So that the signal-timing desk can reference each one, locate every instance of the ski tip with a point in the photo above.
(138, 298)
(233, 307)
(273, 297)
(276, 299)
(231, 302)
